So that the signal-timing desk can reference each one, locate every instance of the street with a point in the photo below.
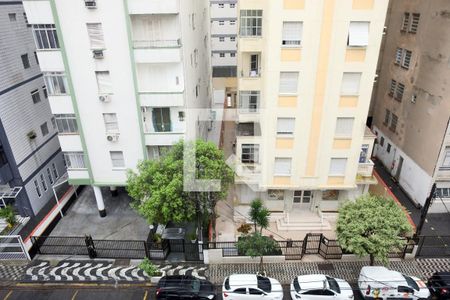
(86, 292)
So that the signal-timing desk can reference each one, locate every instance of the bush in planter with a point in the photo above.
(157, 238)
(9, 215)
(149, 268)
(192, 236)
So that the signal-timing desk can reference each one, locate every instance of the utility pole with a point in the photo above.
(424, 212)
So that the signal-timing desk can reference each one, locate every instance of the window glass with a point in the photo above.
(255, 292)
(25, 61)
(330, 195)
(251, 23)
(264, 284)
(240, 291)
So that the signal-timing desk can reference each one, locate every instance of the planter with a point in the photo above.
(155, 279)
(193, 241)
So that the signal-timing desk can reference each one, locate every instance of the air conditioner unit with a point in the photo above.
(104, 98)
(90, 3)
(97, 54)
(112, 137)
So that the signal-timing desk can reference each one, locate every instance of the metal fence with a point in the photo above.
(12, 248)
(433, 246)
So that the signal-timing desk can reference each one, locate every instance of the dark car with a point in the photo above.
(180, 287)
(439, 285)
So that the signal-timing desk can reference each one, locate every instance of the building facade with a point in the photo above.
(30, 155)
(411, 107)
(126, 78)
(305, 75)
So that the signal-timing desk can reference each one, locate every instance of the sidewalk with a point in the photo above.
(435, 224)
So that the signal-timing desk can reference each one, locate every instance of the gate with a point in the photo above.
(433, 246)
(292, 250)
(311, 243)
(12, 248)
(330, 249)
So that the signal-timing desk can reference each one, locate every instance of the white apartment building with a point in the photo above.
(30, 155)
(305, 76)
(124, 78)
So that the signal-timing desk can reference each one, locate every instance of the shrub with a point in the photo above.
(149, 268)
(9, 215)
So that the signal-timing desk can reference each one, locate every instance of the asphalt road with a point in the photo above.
(91, 293)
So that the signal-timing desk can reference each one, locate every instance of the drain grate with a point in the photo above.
(121, 262)
(325, 267)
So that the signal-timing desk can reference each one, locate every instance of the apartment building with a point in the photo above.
(30, 156)
(411, 107)
(128, 78)
(305, 76)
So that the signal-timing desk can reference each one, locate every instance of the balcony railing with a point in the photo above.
(251, 74)
(366, 169)
(147, 44)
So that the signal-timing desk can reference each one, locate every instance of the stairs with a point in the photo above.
(305, 221)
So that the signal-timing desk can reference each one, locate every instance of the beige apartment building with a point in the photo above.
(306, 70)
(411, 104)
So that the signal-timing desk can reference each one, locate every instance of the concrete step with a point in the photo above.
(302, 225)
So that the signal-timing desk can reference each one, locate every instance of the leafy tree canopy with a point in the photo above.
(158, 187)
(372, 225)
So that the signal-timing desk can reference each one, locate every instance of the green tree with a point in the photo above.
(259, 215)
(255, 245)
(372, 225)
(158, 185)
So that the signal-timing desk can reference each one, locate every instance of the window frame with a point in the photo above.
(289, 123)
(43, 182)
(280, 163)
(35, 96)
(356, 29)
(250, 22)
(296, 28)
(332, 171)
(111, 122)
(75, 160)
(56, 83)
(251, 153)
(285, 82)
(114, 160)
(66, 124)
(45, 36)
(44, 129)
(25, 61)
(38, 188)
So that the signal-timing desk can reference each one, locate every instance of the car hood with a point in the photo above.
(276, 286)
(206, 287)
(346, 289)
(424, 292)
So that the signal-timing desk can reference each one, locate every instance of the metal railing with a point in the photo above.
(152, 44)
(366, 169)
(12, 248)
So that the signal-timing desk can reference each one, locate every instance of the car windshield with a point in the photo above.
(264, 284)
(296, 285)
(193, 284)
(333, 285)
(411, 282)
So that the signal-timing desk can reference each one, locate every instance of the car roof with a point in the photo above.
(309, 282)
(243, 280)
(382, 276)
(173, 280)
(443, 276)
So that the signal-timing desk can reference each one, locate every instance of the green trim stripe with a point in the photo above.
(133, 67)
(71, 89)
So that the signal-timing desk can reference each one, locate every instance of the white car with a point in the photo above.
(382, 283)
(251, 286)
(318, 286)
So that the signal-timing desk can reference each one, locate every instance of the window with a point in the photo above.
(12, 17)
(250, 154)
(232, 22)
(38, 189)
(414, 23)
(103, 82)
(282, 166)
(49, 175)
(117, 159)
(44, 89)
(249, 101)
(240, 291)
(221, 5)
(330, 195)
(161, 119)
(251, 23)
(25, 61)
(392, 87)
(398, 56)
(382, 141)
(221, 39)
(221, 23)
(302, 196)
(292, 33)
(111, 123)
(35, 96)
(443, 192)
(221, 54)
(44, 184)
(55, 171)
(387, 117)
(344, 127)
(36, 57)
(255, 292)
(56, 83)
(403, 58)
(399, 91)
(285, 125)
(394, 120)
(3, 159)
(446, 160)
(44, 129)
(405, 22)
(350, 84)
(66, 123)
(288, 82)
(53, 120)
(232, 5)
(275, 195)
(388, 148)
(197, 87)
(337, 166)
(233, 54)
(193, 21)
(358, 34)
(363, 155)
(74, 160)
(95, 33)
(233, 39)
(45, 36)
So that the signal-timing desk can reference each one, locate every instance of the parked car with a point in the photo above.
(184, 287)
(320, 286)
(382, 283)
(251, 286)
(439, 285)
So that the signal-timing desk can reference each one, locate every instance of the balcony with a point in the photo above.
(248, 129)
(157, 52)
(161, 99)
(153, 6)
(163, 126)
(5, 174)
(366, 169)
